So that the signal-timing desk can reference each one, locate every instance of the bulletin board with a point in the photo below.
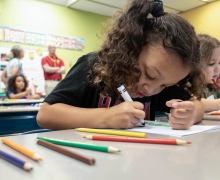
(8, 34)
(31, 64)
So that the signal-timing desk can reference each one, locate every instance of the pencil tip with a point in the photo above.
(189, 142)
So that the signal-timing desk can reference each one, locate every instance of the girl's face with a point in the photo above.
(19, 83)
(212, 69)
(159, 69)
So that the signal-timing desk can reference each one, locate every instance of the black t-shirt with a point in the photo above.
(75, 90)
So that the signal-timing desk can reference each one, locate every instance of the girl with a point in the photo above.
(210, 56)
(17, 88)
(153, 57)
(14, 66)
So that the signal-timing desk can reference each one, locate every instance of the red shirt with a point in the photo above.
(52, 62)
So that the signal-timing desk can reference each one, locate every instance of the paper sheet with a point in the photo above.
(165, 129)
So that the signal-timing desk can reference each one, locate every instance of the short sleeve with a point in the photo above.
(44, 61)
(9, 92)
(17, 64)
(74, 87)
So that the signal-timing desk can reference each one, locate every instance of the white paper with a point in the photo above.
(165, 129)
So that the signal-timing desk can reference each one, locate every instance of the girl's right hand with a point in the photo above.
(125, 115)
(28, 90)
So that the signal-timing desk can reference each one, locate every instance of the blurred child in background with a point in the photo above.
(210, 59)
(18, 88)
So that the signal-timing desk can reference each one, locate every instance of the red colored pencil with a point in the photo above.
(138, 140)
(216, 84)
(214, 113)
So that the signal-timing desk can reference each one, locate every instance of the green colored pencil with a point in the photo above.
(80, 145)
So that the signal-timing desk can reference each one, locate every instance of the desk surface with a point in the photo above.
(6, 109)
(21, 101)
(200, 160)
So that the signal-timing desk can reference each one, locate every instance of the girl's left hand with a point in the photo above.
(182, 114)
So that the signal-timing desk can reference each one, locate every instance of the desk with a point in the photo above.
(16, 119)
(9, 102)
(198, 161)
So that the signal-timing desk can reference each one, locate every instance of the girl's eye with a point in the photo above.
(211, 64)
(149, 77)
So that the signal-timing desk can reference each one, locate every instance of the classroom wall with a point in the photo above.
(48, 18)
(205, 19)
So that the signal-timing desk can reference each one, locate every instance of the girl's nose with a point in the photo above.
(217, 68)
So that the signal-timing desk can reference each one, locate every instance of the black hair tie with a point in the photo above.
(157, 10)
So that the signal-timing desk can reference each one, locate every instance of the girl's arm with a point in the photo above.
(63, 116)
(4, 76)
(34, 96)
(15, 71)
(17, 96)
(211, 104)
(199, 109)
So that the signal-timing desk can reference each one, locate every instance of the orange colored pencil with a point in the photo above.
(138, 140)
(22, 150)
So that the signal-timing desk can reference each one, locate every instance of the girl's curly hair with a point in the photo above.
(12, 85)
(131, 29)
(207, 45)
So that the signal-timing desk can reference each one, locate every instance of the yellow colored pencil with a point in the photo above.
(114, 132)
(22, 150)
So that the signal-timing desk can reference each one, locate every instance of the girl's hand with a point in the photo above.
(28, 90)
(182, 114)
(125, 115)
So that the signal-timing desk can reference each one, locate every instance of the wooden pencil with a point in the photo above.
(20, 163)
(113, 132)
(67, 152)
(138, 140)
(214, 113)
(22, 150)
(215, 84)
(81, 145)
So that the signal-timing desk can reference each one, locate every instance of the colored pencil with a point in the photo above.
(215, 84)
(80, 145)
(20, 163)
(214, 113)
(113, 132)
(67, 152)
(22, 150)
(138, 140)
